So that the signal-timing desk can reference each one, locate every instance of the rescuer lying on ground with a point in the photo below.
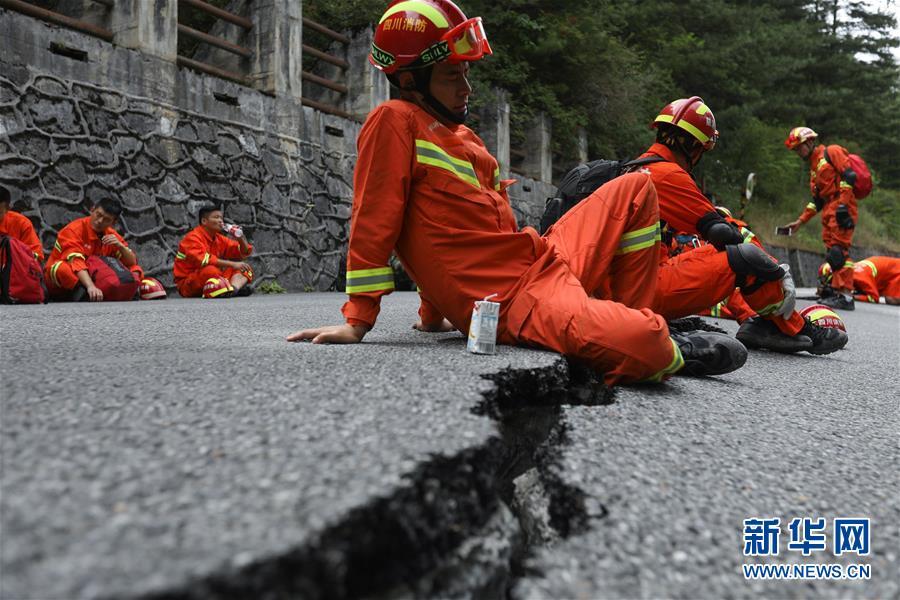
(426, 186)
(873, 278)
(66, 273)
(208, 263)
(834, 197)
(18, 226)
(704, 276)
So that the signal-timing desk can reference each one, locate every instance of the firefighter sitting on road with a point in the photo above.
(67, 274)
(835, 199)
(426, 186)
(873, 278)
(208, 263)
(18, 226)
(700, 278)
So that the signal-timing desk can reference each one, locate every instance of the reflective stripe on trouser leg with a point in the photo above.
(60, 277)
(192, 285)
(590, 236)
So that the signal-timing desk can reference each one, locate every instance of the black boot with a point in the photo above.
(825, 340)
(760, 333)
(839, 301)
(708, 353)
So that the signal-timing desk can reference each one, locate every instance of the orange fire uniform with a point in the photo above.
(827, 187)
(18, 226)
(197, 260)
(698, 279)
(74, 243)
(876, 276)
(433, 194)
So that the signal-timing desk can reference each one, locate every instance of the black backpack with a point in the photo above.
(582, 181)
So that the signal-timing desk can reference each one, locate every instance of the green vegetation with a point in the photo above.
(763, 66)
(270, 287)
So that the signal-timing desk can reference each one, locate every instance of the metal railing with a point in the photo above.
(216, 41)
(51, 16)
(338, 85)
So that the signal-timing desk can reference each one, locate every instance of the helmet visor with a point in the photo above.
(467, 41)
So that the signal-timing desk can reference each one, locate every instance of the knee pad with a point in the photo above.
(749, 259)
(835, 257)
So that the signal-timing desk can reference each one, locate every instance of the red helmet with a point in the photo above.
(217, 287)
(823, 316)
(426, 32)
(798, 135)
(152, 289)
(692, 115)
(825, 273)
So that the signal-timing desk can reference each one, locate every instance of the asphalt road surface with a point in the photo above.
(183, 449)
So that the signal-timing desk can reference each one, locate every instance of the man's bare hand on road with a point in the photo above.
(442, 327)
(332, 334)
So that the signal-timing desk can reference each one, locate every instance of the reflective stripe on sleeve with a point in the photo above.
(72, 255)
(431, 154)
(639, 239)
(674, 366)
(812, 206)
(205, 260)
(180, 256)
(57, 247)
(370, 280)
(497, 179)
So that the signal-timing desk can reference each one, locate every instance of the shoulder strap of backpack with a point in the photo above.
(6, 253)
(640, 162)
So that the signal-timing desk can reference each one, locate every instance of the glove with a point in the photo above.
(842, 215)
(790, 294)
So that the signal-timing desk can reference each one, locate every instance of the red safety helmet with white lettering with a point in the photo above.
(419, 33)
(693, 116)
(798, 135)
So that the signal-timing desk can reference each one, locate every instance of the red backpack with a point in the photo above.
(856, 174)
(113, 278)
(21, 277)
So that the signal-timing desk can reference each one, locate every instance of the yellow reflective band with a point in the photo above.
(205, 260)
(219, 292)
(870, 264)
(180, 256)
(674, 366)
(768, 310)
(424, 9)
(57, 247)
(849, 263)
(872, 299)
(370, 272)
(53, 270)
(817, 314)
(686, 126)
(639, 239)
(702, 109)
(747, 234)
(822, 163)
(72, 255)
(430, 154)
(370, 280)
(812, 207)
(497, 179)
(846, 186)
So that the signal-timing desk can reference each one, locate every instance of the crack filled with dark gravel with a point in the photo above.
(460, 526)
